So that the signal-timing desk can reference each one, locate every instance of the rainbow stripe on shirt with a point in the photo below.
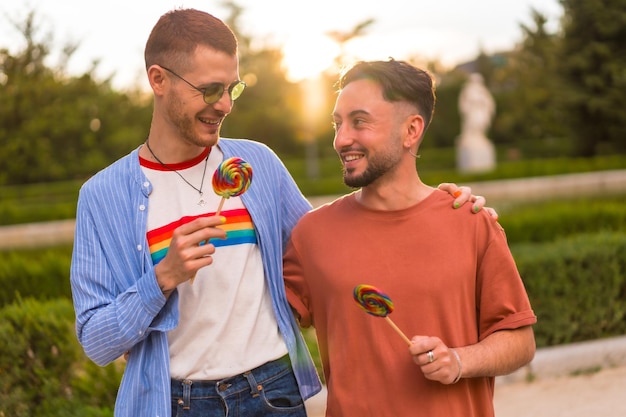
(239, 230)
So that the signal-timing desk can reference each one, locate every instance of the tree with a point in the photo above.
(266, 110)
(55, 127)
(341, 38)
(527, 90)
(592, 64)
(445, 126)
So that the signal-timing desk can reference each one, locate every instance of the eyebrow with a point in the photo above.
(353, 113)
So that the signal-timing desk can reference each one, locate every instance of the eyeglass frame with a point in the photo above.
(218, 94)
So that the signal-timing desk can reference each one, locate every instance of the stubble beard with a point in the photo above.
(185, 124)
(377, 166)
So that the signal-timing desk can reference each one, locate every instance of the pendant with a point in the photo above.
(201, 202)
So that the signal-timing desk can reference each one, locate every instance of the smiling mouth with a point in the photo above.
(352, 157)
(210, 122)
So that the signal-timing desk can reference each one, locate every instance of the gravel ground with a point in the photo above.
(587, 395)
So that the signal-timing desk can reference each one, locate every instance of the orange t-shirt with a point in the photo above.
(450, 274)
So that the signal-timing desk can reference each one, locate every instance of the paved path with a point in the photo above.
(497, 192)
(599, 394)
(540, 188)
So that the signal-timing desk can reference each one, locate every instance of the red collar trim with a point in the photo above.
(177, 166)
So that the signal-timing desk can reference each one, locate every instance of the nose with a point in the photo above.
(225, 103)
(342, 138)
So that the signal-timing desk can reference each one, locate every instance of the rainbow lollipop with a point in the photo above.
(378, 304)
(231, 178)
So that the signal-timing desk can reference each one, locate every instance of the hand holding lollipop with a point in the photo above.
(378, 304)
(231, 178)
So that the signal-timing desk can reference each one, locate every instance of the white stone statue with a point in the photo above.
(475, 152)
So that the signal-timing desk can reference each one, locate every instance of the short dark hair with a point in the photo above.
(400, 81)
(178, 33)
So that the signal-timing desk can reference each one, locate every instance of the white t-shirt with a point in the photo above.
(227, 324)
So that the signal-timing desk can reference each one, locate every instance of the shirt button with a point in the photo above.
(142, 207)
(139, 247)
(146, 184)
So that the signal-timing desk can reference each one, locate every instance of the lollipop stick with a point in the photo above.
(219, 208)
(393, 325)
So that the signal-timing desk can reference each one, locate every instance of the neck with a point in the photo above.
(397, 195)
(175, 170)
(168, 153)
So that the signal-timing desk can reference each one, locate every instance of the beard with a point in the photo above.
(184, 123)
(377, 166)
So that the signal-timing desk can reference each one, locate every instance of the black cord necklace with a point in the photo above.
(164, 165)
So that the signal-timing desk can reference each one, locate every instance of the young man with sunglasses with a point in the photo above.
(226, 342)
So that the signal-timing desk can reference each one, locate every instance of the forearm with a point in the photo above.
(498, 354)
(108, 327)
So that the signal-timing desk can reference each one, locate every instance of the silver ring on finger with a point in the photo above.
(431, 356)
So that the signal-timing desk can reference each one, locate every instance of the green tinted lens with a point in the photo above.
(236, 89)
(213, 93)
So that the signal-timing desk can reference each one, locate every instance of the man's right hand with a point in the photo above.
(189, 251)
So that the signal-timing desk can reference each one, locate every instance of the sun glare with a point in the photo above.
(307, 57)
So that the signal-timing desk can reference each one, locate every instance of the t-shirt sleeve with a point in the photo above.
(503, 301)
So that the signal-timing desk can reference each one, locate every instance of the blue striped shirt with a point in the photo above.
(119, 306)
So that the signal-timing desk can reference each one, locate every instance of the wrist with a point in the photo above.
(459, 364)
(166, 291)
(163, 283)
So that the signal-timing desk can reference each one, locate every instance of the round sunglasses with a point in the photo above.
(214, 91)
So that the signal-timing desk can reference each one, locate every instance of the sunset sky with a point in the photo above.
(115, 31)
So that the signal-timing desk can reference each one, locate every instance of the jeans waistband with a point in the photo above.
(251, 380)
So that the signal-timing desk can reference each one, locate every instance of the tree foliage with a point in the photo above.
(593, 66)
(556, 94)
(43, 370)
(263, 113)
(563, 93)
(55, 127)
(528, 92)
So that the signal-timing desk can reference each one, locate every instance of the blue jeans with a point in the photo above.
(269, 390)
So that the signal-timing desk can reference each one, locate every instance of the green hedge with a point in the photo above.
(38, 202)
(43, 370)
(553, 220)
(577, 286)
(38, 273)
(57, 201)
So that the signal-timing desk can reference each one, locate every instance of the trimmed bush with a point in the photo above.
(38, 273)
(577, 286)
(43, 370)
(553, 220)
(31, 203)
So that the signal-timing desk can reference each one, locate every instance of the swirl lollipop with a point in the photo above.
(231, 178)
(378, 304)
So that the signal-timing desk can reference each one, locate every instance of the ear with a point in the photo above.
(414, 130)
(156, 78)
